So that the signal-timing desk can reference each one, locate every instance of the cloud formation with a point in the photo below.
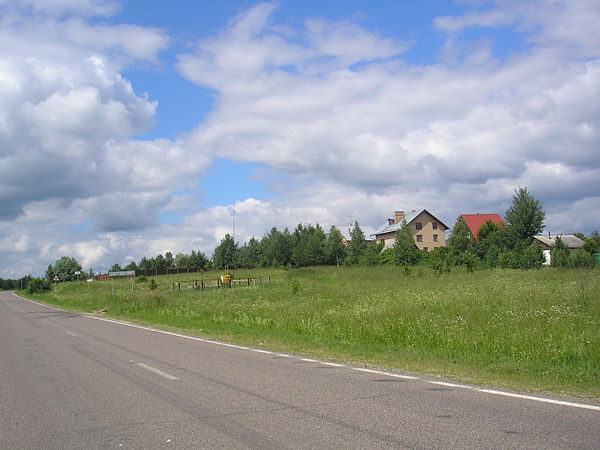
(356, 129)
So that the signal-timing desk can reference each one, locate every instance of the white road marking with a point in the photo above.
(539, 399)
(443, 383)
(326, 363)
(258, 350)
(387, 374)
(69, 333)
(156, 371)
(360, 369)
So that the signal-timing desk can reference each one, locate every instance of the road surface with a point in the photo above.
(73, 381)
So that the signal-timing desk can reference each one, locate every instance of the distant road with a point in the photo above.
(73, 381)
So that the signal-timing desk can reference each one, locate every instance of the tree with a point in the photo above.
(460, 240)
(357, 245)
(559, 253)
(224, 256)
(116, 268)
(131, 266)
(49, 273)
(525, 217)
(65, 268)
(406, 252)
(308, 246)
(335, 250)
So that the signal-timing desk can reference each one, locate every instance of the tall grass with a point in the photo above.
(536, 329)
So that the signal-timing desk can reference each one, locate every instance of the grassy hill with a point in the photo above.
(532, 330)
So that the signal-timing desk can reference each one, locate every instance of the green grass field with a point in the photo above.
(535, 330)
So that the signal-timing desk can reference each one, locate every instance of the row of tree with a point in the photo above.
(508, 245)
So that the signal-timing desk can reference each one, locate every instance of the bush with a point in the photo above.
(581, 258)
(38, 285)
(141, 279)
(152, 284)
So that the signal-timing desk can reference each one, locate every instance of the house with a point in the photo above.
(547, 243)
(427, 230)
(474, 222)
(346, 231)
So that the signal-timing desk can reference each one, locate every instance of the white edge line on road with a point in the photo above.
(539, 399)
(387, 374)
(359, 369)
(443, 383)
(156, 371)
(258, 350)
(69, 333)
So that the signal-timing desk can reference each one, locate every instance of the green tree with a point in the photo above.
(590, 245)
(335, 250)
(65, 268)
(560, 255)
(308, 246)
(460, 240)
(130, 266)
(357, 245)
(440, 260)
(116, 268)
(372, 255)
(525, 217)
(406, 252)
(249, 254)
(49, 273)
(224, 256)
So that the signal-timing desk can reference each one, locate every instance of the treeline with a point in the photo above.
(508, 246)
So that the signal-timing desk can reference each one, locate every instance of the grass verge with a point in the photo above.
(535, 330)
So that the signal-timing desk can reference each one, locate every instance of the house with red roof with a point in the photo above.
(474, 222)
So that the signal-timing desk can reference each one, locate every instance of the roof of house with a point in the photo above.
(388, 227)
(570, 240)
(347, 229)
(474, 221)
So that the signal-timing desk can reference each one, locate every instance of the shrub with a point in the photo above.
(38, 285)
(141, 279)
(152, 284)
(581, 258)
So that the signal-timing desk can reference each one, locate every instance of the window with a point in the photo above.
(418, 225)
(426, 249)
(434, 225)
(419, 238)
(435, 238)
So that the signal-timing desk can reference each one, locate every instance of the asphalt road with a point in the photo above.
(73, 381)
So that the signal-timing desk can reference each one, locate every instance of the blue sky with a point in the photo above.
(132, 128)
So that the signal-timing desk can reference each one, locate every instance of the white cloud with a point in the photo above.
(385, 125)
(353, 129)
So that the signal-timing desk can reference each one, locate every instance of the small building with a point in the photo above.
(475, 221)
(547, 243)
(427, 230)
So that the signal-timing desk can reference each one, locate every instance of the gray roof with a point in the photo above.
(346, 229)
(388, 227)
(570, 240)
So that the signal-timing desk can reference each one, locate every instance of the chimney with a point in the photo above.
(398, 216)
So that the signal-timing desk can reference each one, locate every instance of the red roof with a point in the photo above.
(474, 221)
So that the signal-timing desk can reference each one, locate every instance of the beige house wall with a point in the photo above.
(427, 237)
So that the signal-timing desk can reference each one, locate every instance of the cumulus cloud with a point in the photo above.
(358, 115)
(356, 129)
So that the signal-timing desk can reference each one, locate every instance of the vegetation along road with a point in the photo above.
(73, 380)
